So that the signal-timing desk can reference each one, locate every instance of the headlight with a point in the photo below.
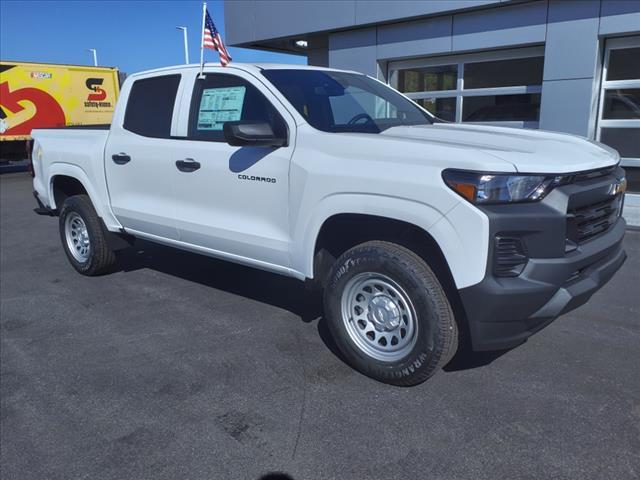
(488, 188)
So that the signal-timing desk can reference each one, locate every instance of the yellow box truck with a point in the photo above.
(43, 95)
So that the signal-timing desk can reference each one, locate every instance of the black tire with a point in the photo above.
(100, 258)
(436, 340)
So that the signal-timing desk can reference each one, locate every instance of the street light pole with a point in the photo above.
(95, 56)
(186, 44)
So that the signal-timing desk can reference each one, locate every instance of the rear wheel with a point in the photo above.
(389, 315)
(82, 237)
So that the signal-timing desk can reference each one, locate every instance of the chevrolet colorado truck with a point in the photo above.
(423, 234)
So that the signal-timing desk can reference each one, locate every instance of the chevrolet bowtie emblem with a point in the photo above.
(617, 187)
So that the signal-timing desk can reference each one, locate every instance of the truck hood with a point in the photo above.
(529, 151)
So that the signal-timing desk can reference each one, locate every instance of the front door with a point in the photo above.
(233, 201)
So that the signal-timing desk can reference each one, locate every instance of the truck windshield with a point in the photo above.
(345, 102)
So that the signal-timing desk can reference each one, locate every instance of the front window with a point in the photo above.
(345, 102)
(221, 98)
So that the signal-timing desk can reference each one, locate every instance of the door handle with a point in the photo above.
(120, 158)
(187, 165)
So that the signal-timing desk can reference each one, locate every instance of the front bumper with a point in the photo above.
(503, 311)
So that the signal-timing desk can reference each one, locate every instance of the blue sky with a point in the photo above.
(130, 35)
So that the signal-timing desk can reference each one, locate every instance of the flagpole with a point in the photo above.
(204, 12)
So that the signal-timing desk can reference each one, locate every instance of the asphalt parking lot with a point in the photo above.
(180, 366)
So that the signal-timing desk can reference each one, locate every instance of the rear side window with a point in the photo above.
(150, 106)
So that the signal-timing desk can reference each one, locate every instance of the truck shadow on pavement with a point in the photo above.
(276, 290)
(467, 359)
(265, 287)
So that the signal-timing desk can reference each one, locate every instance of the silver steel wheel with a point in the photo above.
(77, 236)
(379, 316)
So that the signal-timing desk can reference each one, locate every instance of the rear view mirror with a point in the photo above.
(239, 134)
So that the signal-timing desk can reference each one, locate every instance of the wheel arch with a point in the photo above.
(358, 205)
(64, 186)
(343, 231)
(460, 230)
(66, 179)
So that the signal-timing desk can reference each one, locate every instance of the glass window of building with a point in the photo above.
(619, 112)
(500, 87)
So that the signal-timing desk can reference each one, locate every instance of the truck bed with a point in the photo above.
(77, 152)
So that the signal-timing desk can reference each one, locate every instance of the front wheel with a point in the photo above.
(389, 315)
(82, 237)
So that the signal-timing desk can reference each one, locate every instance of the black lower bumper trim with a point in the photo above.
(503, 312)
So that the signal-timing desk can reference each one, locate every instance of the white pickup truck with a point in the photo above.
(422, 233)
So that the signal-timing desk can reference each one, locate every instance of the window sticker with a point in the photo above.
(220, 105)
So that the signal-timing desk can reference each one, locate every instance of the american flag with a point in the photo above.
(212, 39)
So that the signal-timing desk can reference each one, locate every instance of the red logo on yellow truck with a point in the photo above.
(96, 99)
(93, 84)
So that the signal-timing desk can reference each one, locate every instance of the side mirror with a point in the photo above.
(240, 134)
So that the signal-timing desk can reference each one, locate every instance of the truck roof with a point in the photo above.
(247, 67)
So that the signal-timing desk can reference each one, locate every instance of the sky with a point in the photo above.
(130, 35)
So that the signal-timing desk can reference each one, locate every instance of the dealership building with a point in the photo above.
(564, 65)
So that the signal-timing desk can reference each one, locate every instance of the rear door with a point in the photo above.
(139, 167)
(236, 204)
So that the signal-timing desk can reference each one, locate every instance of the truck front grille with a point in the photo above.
(587, 222)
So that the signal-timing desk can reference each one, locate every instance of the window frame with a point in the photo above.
(609, 45)
(383, 86)
(194, 104)
(174, 110)
(459, 93)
